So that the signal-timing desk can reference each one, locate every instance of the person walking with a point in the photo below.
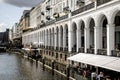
(101, 76)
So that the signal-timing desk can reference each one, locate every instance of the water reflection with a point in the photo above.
(15, 67)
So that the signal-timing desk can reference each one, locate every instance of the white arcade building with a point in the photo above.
(93, 28)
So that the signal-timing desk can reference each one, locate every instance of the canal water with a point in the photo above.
(16, 67)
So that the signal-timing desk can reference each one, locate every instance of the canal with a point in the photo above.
(16, 67)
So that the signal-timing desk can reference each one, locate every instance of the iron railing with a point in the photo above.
(82, 9)
(100, 2)
(102, 52)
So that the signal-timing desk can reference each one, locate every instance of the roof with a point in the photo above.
(108, 62)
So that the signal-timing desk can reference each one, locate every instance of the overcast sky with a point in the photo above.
(11, 11)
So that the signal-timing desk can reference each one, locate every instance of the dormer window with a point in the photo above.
(42, 13)
(48, 7)
(56, 15)
(48, 17)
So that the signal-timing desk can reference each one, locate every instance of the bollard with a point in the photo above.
(68, 71)
(43, 61)
(53, 67)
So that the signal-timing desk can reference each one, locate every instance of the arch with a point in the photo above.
(65, 43)
(61, 36)
(82, 27)
(102, 22)
(117, 29)
(74, 26)
(57, 35)
(113, 14)
(47, 37)
(91, 23)
(81, 22)
(74, 37)
(100, 19)
(52, 36)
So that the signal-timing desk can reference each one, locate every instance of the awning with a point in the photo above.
(108, 62)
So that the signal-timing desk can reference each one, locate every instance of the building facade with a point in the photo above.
(4, 38)
(77, 26)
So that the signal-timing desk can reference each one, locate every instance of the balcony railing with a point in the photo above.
(81, 50)
(91, 51)
(73, 49)
(50, 22)
(102, 52)
(100, 2)
(82, 9)
(115, 53)
(61, 48)
(66, 49)
(62, 17)
(57, 48)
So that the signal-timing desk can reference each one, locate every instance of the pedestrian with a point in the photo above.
(93, 75)
(107, 78)
(100, 76)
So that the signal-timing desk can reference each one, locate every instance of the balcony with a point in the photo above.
(100, 2)
(82, 9)
(115, 53)
(66, 9)
(80, 3)
(81, 50)
(50, 22)
(90, 50)
(102, 52)
(62, 17)
(48, 7)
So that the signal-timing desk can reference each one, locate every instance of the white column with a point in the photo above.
(70, 40)
(64, 38)
(70, 35)
(87, 39)
(97, 38)
(78, 39)
(110, 38)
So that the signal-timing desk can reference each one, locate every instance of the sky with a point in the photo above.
(11, 11)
